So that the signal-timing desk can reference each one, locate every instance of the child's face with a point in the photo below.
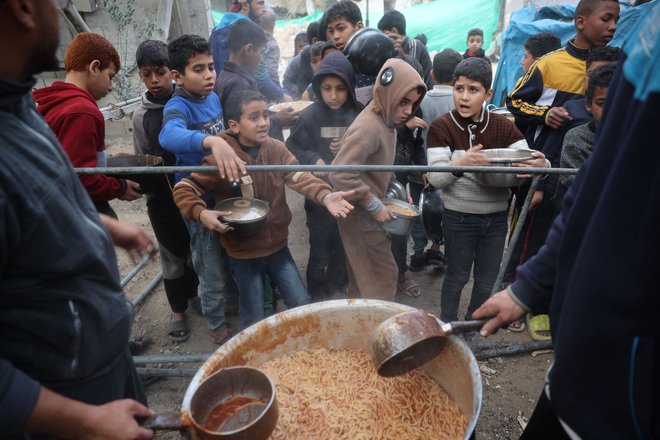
(100, 83)
(598, 27)
(474, 43)
(469, 97)
(334, 92)
(314, 62)
(253, 57)
(527, 61)
(597, 101)
(593, 66)
(252, 128)
(340, 30)
(158, 80)
(405, 107)
(199, 76)
(300, 45)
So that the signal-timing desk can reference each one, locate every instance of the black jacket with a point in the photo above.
(307, 141)
(63, 315)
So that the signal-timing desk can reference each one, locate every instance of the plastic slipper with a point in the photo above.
(409, 287)
(139, 344)
(517, 326)
(539, 327)
(177, 330)
(220, 335)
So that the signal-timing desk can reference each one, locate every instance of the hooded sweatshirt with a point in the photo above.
(74, 116)
(311, 136)
(371, 139)
(268, 186)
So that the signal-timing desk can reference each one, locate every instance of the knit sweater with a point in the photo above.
(578, 146)
(268, 186)
(449, 138)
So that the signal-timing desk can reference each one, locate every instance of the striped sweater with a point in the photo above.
(449, 137)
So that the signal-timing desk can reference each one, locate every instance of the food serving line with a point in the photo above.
(446, 360)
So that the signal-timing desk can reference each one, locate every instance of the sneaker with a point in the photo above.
(417, 263)
(436, 258)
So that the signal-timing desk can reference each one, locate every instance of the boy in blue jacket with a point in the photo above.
(191, 120)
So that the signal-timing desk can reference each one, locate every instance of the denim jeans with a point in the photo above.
(249, 277)
(470, 238)
(210, 262)
(326, 266)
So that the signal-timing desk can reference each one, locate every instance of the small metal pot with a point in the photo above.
(431, 207)
(402, 224)
(396, 190)
(148, 182)
(247, 215)
(368, 49)
(504, 157)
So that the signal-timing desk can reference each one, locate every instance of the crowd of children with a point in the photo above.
(207, 103)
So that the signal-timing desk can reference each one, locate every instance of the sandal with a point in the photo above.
(139, 344)
(220, 335)
(517, 326)
(539, 327)
(177, 330)
(409, 287)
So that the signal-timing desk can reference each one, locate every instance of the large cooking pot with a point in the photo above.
(342, 324)
(368, 49)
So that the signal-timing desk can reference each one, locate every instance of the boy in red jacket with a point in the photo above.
(70, 109)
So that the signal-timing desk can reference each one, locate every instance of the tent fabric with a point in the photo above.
(444, 22)
(556, 19)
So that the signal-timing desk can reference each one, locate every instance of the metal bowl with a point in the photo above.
(346, 324)
(403, 223)
(148, 182)
(431, 207)
(503, 157)
(396, 190)
(247, 216)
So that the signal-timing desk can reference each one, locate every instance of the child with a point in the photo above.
(474, 42)
(371, 140)
(192, 119)
(538, 45)
(578, 143)
(70, 109)
(343, 19)
(299, 42)
(393, 24)
(538, 101)
(265, 252)
(179, 278)
(246, 45)
(438, 101)
(475, 216)
(317, 52)
(272, 52)
(314, 140)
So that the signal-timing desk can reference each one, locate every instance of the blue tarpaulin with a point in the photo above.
(558, 20)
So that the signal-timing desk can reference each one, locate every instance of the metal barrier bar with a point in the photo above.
(151, 286)
(176, 358)
(166, 372)
(326, 168)
(129, 276)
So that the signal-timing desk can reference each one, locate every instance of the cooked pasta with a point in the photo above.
(336, 394)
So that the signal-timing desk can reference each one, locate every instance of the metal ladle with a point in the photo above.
(408, 340)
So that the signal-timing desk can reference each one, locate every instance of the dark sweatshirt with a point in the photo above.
(309, 140)
(74, 116)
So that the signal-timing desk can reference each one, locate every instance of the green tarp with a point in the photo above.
(444, 22)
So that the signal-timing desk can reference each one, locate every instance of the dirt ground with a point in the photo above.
(511, 384)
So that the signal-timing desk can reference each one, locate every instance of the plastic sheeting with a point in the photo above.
(559, 20)
(444, 22)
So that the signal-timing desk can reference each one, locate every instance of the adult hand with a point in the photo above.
(211, 219)
(337, 205)
(416, 122)
(472, 157)
(287, 98)
(230, 166)
(397, 40)
(287, 116)
(557, 116)
(502, 310)
(130, 237)
(384, 215)
(425, 179)
(132, 191)
(334, 145)
(116, 421)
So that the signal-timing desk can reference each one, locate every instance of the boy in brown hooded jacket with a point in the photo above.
(371, 140)
(266, 251)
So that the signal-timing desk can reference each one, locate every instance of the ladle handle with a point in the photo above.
(465, 326)
(162, 422)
